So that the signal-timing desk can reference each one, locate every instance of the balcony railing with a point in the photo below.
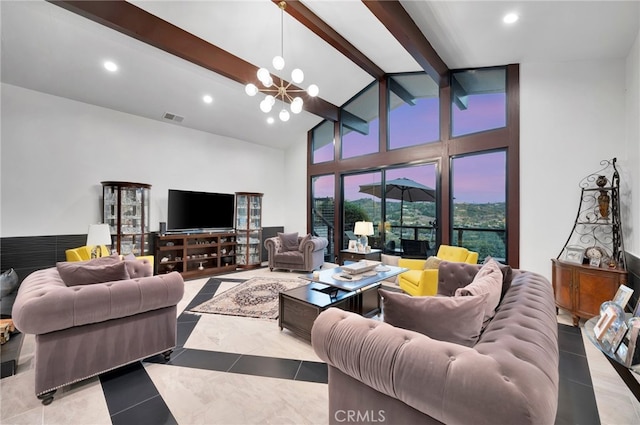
(486, 241)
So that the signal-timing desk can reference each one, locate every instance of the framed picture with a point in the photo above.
(353, 245)
(636, 311)
(594, 262)
(574, 254)
(618, 336)
(631, 340)
(604, 323)
(622, 296)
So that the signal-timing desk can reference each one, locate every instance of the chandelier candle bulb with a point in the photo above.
(297, 76)
(278, 63)
(251, 89)
(263, 75)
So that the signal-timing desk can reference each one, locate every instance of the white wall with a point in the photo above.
(295, 210)
(572, 116)
(55, 152)
(630, 198)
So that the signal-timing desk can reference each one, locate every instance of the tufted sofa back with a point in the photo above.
(45, 304)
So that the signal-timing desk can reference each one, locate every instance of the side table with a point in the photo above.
(349, 255)
(9, 353)
(623, 371)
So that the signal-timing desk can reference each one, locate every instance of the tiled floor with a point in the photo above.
(234, 370)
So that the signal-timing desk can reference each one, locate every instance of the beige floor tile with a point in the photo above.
(200, 396)
(81, 403)
(17, 396)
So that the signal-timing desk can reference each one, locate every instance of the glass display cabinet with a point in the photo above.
(126, 211)
(248, 229)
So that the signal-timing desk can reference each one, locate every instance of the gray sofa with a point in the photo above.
(84, 330)
(308, 256)
(380, 373)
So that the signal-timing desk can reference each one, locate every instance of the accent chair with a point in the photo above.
(421, 281)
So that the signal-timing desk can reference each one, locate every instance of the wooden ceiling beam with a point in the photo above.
(399, 23)
(130, 20)
(316, 25)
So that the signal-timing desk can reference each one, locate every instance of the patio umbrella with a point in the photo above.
(402, 189)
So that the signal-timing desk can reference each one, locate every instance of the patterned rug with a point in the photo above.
(257, 297)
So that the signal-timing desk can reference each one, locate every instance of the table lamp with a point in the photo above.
(98, 235)
(363, 229)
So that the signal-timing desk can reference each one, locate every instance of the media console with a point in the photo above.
(196, 254)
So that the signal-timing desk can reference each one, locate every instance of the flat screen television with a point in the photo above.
(199, 211)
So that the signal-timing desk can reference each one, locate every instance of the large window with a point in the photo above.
(410, 206)
(322, 142)
(414, 110)
(474, 175)
(479, 203)
(323, 201)
(478, 100)
(360, 204)
(359, 123)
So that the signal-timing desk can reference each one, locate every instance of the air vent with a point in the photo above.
(172, 117)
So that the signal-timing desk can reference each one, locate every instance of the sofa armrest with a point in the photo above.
(271, 244)
(45, 304)
(445, 381)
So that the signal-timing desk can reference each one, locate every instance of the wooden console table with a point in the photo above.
(581, 288)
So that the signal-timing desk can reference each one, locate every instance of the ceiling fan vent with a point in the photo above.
(172, 117)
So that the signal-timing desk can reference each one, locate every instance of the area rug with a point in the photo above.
(257, 297)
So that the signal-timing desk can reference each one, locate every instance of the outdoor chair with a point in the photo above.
(412, 248)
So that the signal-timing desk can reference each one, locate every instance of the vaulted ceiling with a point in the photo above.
(172, 53)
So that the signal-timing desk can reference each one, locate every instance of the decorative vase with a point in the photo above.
(603, 204)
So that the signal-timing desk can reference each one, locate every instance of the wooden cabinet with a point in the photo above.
(581, 289)
(249, 229)
(197, 254)
(126, 211)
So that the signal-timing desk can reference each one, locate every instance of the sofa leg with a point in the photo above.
(47, 397)
(167, 355)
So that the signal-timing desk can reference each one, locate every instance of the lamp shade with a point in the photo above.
(363, 228)
(99, 234)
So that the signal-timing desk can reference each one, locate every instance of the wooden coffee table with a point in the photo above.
(300, 306)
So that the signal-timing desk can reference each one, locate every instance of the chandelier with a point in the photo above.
(282, 90)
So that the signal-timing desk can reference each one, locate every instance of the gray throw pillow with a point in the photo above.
(86, 273)
(289, 241)
(453, 319)
(487, 281)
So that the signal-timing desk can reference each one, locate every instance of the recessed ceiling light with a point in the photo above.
(110, 66)
(207, 99)
(510, 18)
(270, 120)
